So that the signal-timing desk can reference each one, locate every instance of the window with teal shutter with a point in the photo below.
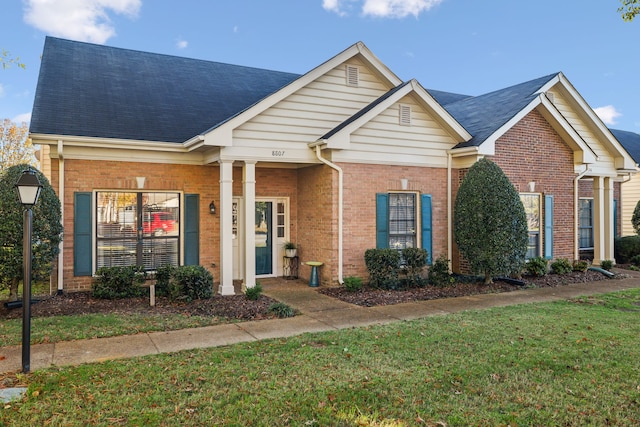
(396, 215)
(191, 229)
(82, 245)
(548, 226)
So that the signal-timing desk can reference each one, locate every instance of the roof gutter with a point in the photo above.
(340, 204)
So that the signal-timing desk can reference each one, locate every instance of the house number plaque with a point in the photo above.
(277, 153)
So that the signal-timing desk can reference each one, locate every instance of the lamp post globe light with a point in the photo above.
(28, 191)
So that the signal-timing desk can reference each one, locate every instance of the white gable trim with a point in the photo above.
(583, 153)
(222, 134)
(342, 138)
(622, 159)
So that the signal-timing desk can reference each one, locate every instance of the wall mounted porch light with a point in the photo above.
(532, 186)
(212, 208)
(28, 191)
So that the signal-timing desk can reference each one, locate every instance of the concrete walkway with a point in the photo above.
(319, 313)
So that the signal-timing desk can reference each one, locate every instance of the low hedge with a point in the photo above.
(118, 282)
(625, 248)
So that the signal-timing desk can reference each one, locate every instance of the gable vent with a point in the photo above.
(405, 115)
(353, 76)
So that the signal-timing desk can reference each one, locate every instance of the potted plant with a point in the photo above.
(290, 249)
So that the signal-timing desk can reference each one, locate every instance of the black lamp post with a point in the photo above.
(28, 190)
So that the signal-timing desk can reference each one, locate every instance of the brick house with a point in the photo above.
(160, 159)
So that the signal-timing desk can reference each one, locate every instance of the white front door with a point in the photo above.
(271, 231)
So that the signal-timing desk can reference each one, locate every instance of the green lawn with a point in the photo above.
(67, 328)
(573, 363)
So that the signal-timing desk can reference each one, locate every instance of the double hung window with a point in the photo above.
(531, 203)
(137, 228)
(585, 224)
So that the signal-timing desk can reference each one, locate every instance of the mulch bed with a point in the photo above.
(240, 308)
(369, 297)
(76, 303)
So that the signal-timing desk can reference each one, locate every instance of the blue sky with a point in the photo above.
(464, 46)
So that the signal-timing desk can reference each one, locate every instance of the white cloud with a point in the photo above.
(25, 117)
(382, 8)
(334, 6)
(84, 20)
(397, 8)
(182, 44)
(608, 114)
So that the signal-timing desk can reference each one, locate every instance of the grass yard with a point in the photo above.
(77, 327)
(572, 363)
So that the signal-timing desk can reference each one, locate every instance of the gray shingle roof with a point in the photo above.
(98, 91)
(630, 141)
(483, 115)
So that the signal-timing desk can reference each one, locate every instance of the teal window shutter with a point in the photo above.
(548, 226)
(427, 226)
(382, 220)
(82, 239)
(191, 229)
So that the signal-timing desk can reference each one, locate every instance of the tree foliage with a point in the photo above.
(15, 147)
(629, 9)
(490, 224)
(46, 230)
(635, 218)
(7, 60)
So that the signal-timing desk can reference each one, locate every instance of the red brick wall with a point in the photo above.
(362, 182)
(318, 220)
(85, 175)
(533, 151)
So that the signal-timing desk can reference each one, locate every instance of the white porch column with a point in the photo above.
(598, 220)
(226, 226)
(249, 192)
(608, 231)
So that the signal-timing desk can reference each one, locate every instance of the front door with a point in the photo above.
(264, 238)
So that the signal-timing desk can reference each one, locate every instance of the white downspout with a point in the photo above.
(61, 196)
(576, 211)
(449, 212)
(340, 184)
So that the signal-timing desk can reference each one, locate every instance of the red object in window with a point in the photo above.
(158, 223)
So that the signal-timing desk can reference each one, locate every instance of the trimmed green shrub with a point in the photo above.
(607, 264)
(383, 266)
(352, 283)
(192, 282)
(561, 266)
(536, 266)
(281, 310)
(415, 260)
(580, 265)
(46, 230)
(490, 224)
(438, 274)
(636, 260)
(635, 218)
(254, 292)
(163, 279)
(626, 248)
(118, 282)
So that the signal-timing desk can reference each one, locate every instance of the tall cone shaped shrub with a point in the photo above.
(490, 224)
(47, 230)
